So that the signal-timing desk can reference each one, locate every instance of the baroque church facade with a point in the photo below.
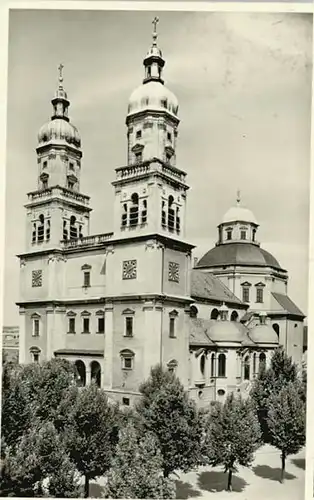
(118, 303)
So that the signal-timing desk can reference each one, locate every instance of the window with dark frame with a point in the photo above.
(101, 325)
(86, 278)
(35, 357)
(245, 294)
(221, 365)
(138, 134)
(129, 326)
(259, 295)
(36, 328)
(71, 325)
(172, 332)
(126, 401)
(85, 325)
(127, 363)
(229, 235)
(243, 235)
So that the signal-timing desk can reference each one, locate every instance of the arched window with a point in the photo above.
(134, 210)
(163, 214)
(247, 368)
(253, 234)
(202, 364)
(178, 220)
(65, 231)
(73, 228)
(212, 365)
(262, 361)
(254, 363)
(81, 373)
(172, 366)
(171, 213)
(144, 212)
(234, 316)
(96, 372)
(277, 329)
(48, 230)
(193, 312)
(80, 232)
(221, 365)
(41, 228)
(214, 314)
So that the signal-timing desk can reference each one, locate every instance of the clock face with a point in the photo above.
(129, 269)
(37, 278)
(173, 272)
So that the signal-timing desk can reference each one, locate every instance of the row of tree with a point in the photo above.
(54, 432)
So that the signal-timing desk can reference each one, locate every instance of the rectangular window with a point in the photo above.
(229, 235)
(243, 235)
(138, 134)
(259, 295)
(172, 328)
(36, 328)
(169, 136)
(45, 164)
(126, 401)
(127, 363)
(101, 325)
(85, 325)
(71, 166)
(35, 357)
(138, 157)
(71, 325)
(245, 294)
(86, 278)
(70, 185)
(129, 327)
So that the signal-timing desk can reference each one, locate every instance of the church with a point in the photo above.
(118, 303)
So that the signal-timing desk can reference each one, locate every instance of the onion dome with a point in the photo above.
(263, 333)
(59, 128)
(152, 94)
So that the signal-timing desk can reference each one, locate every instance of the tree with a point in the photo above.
(90, 430)
(282, 370)
(38, 463)
(232, 435)
(136, 470)
(286, 421)
(167, 412)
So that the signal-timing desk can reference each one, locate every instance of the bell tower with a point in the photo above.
(150, 191)
(57, 210)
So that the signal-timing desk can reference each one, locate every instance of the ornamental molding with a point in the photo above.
(56, 258)
(22, 262)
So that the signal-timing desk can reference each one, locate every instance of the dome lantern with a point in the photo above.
(154, 61)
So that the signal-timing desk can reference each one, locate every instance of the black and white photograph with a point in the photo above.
(156, 253)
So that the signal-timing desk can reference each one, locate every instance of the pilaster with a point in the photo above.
(108, 347)
(22, 336)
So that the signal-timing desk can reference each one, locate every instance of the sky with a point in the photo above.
(243, 81)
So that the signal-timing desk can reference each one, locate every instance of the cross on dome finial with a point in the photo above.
(154, 22)
(60, 68)
(238, 196)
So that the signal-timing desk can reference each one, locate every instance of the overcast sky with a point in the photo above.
(244, 87)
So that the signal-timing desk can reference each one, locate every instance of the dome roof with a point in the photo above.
(152, 95)
(238, 213)
(61, 130)
(242, 254)
(263, 334)
(227, 331)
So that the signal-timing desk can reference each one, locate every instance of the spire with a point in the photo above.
(60, 102)
(238, 197)
(154, 61)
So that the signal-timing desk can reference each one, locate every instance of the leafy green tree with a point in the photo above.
(136, 470)
(167, 412)
(286, 421)
(232, 435)
(90, 430)
(39, 458)
(282, 370)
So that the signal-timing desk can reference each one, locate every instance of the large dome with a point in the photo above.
(239, 214)
(227, 331)
(243, 254)
(152, 95)
(59, 129)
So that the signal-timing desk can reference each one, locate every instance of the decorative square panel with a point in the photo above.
(129, 269)
(173, 272)
(37, 278)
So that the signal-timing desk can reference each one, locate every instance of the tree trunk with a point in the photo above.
(283, 464)
(86, 486)
(229, 487)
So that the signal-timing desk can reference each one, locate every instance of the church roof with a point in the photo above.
(207, 286)
(243, 254)
(198, 332)
(239, 214)
(287, 304)
(209, 331)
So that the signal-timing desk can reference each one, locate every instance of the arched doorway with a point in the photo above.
(262, 361)
(81, 373)
(95, 372)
